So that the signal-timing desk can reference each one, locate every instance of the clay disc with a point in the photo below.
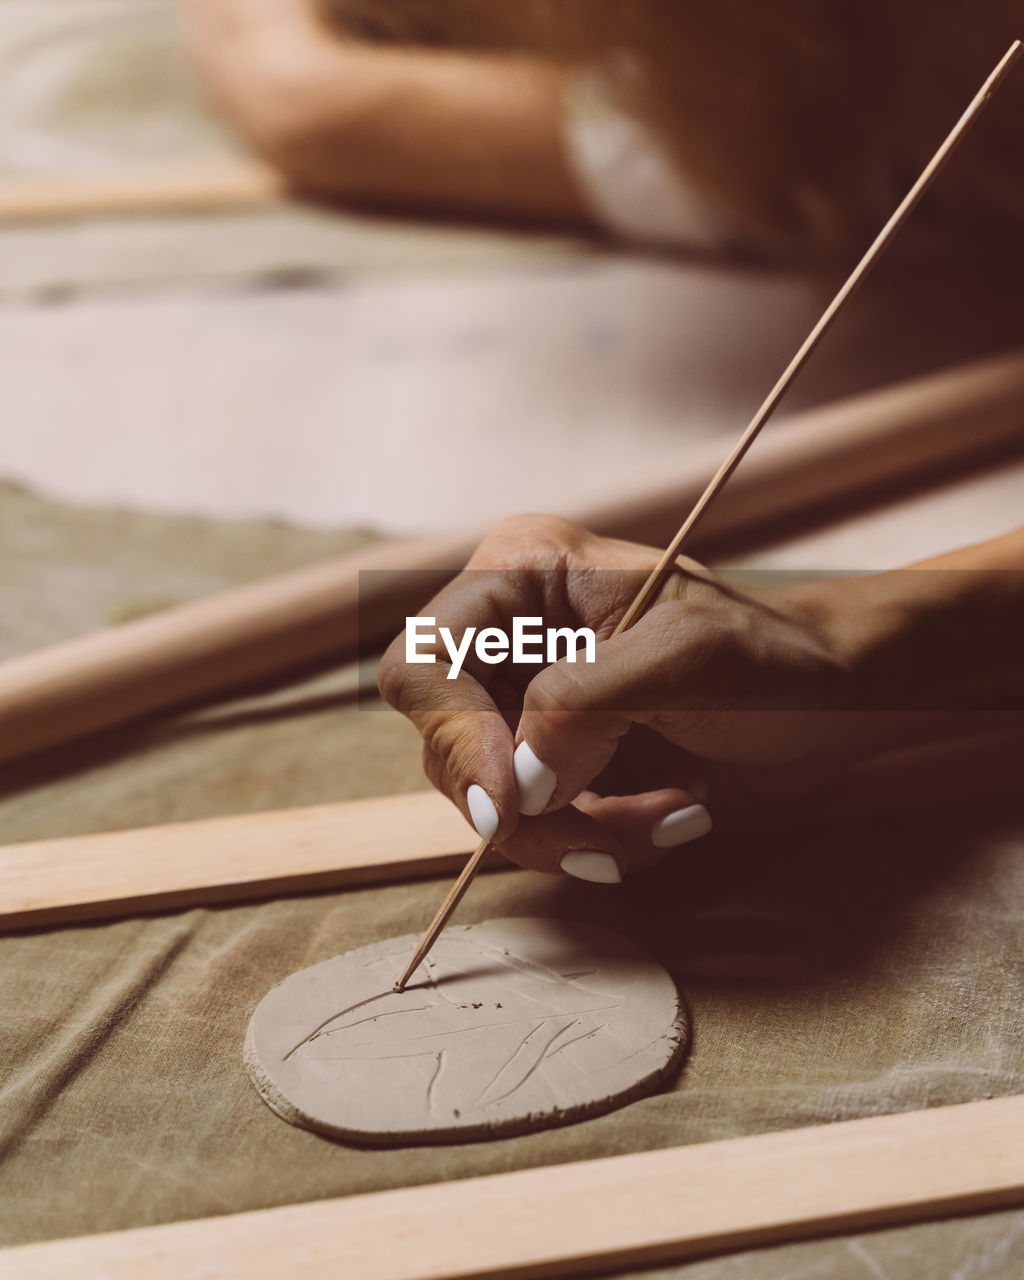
(511, 1025)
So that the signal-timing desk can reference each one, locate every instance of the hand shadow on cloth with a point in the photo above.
(808, 907)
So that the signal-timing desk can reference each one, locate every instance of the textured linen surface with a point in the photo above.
(872, 966)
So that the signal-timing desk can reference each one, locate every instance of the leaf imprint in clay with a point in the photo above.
(509, 1026)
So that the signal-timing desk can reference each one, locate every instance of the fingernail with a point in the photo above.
(679, 827)
(536, 782)
(589, 864)
(482, 811)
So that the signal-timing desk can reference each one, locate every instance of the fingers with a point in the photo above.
(465, 735)
(605, 839)
(468, 745)
(567, 734)
(480, 784)
(468, 756)
(571, 721)
(575, 714)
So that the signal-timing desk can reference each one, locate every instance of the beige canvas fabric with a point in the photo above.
(867, 967)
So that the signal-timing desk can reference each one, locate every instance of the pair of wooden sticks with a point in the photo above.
(666, 564)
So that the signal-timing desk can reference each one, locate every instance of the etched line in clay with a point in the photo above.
(538, 1019)
(506, 1065)
(431, 1101)
(374, 1017)
(587, 1035)
(512, 961)
(488, 1102)
(334, 1016)
(516, 1024)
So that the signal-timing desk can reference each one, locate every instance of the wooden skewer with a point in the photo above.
(666, 564)
(455, 895)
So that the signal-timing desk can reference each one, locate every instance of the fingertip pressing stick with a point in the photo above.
(666, 563)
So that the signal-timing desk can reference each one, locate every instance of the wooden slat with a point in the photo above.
(221, 859)
(314, 617)
(819, 463)
(400, 837)
(623, 1211)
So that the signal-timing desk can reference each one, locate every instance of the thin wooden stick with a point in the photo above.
(718, 481)
(617, 1213)
(852, 283)
(455, 895)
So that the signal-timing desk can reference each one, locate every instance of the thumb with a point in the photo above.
(575, 713)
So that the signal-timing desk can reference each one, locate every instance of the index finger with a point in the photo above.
(449, 699)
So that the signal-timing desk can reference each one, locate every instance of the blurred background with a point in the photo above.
(278, 358)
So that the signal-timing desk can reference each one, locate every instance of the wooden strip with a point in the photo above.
(32, 199)
(222, 859)
(309, 617)
(622, 1211)
(312, 617)
(402, 837)
(816, 464)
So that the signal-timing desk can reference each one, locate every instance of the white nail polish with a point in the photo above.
(590, 864)
(482, 811)
(679, 827)
(536, 782)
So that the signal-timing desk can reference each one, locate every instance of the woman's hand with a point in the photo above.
(714, 700)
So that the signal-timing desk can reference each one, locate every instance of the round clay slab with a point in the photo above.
(509, 1026)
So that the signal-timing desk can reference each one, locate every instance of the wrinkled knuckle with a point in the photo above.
(433, 768)
(436, 731)
(391, 677)
(559, 695)
(533, 523)
(541, 529)
(444, 735)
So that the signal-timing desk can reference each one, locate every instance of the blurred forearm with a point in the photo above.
(471, 133)
(943, 635)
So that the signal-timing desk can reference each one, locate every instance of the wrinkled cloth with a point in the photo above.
(859, 968)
